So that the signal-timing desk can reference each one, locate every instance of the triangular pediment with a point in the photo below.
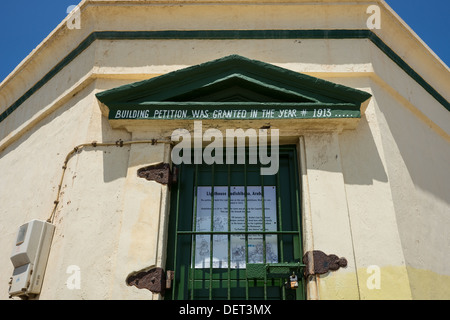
(239, 88)
(232, 82)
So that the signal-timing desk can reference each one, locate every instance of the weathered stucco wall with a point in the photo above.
(375, 195)
(417, 169)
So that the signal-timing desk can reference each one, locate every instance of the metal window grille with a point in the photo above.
(212, 282)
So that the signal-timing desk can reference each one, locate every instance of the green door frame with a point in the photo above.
(229, 283)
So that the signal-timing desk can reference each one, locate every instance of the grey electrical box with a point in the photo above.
(29, 258)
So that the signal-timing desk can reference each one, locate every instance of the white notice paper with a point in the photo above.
(237, 222)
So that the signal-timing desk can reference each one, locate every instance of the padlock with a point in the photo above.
(293, 281)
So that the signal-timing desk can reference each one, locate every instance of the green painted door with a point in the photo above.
(228, 220)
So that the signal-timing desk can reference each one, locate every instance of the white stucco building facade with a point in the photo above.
(369, 176)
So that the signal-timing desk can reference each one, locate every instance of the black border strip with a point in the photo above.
(228, 35)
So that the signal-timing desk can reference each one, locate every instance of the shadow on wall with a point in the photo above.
(418, 160)
(418, 148)
(361, 160)
(115, 159)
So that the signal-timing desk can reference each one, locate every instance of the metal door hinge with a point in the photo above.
(160, 173)
(318, 262)
(154, 280)
(169, 277)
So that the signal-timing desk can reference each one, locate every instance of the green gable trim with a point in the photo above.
(230, 35)
(233, 87)
(234, 71)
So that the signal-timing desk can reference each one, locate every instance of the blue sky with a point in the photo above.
(25, 23)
